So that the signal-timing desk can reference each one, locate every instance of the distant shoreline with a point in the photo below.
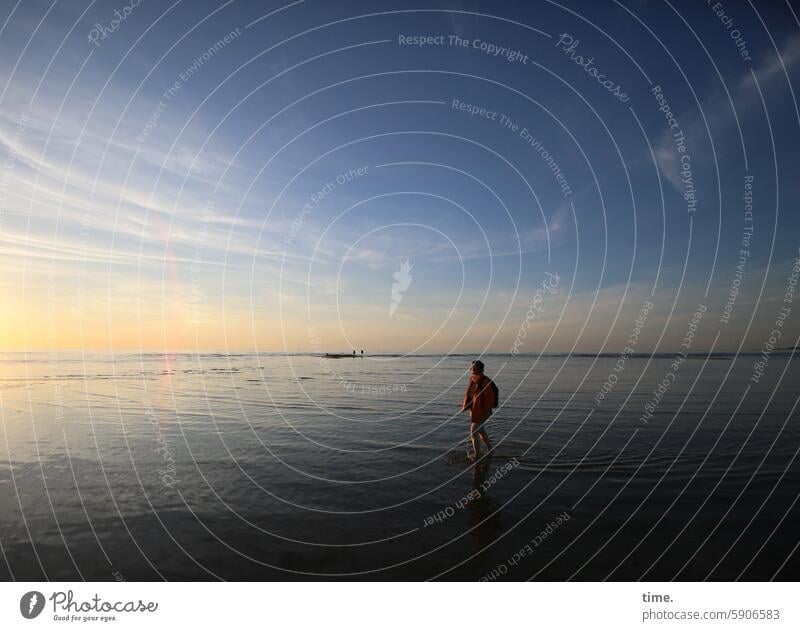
(330, 355)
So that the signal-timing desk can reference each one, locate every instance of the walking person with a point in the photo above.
(481, 396)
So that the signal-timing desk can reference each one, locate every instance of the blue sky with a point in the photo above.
(134, 217)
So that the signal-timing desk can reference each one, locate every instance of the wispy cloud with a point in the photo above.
(719, 113)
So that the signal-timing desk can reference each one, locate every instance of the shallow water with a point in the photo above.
(288, 467)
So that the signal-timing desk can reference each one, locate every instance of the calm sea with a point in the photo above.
(246, 467)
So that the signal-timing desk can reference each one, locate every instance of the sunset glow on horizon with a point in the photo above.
(208, 196)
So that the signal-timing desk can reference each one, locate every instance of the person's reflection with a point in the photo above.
(484, 513)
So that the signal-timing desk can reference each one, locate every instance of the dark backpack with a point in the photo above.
(496, 393)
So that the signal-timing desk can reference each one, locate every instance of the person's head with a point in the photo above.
(477, 367)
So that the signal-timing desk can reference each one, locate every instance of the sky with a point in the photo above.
(398, 176)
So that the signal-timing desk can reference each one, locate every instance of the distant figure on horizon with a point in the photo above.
(362, 352)
(481, 396)
(354, 353)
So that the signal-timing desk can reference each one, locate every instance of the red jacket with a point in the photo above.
(479, 398)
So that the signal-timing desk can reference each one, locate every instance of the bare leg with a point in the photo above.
(473, 435)
(485, 438)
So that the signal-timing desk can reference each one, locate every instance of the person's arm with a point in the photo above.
(467, 398)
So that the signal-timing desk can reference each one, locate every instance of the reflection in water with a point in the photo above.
(257, 467)
(484, 511)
